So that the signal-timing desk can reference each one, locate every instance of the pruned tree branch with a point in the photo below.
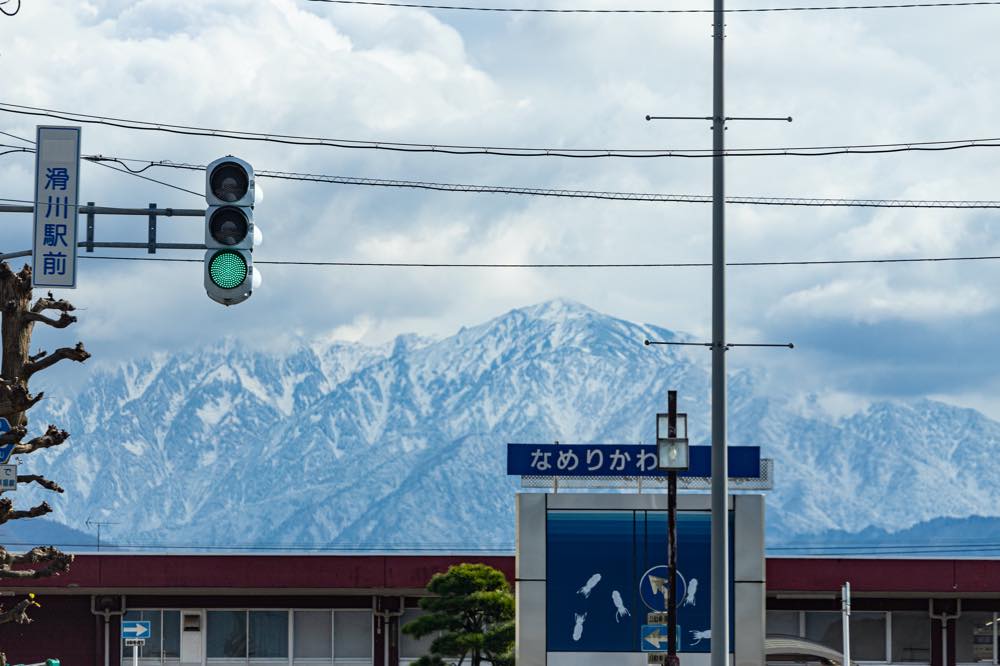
(9, 513)
(57, 562)
(77, 353)
(40, 480)
(53, 437)
(63, 321)
(15, 398)
(18, 613)
(13, 435)
(41, 354)
(50, 303)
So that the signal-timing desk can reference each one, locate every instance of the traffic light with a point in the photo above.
(229, 231)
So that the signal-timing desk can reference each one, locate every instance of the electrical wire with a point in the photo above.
(13, 13)
(545, 192)
(19, 138)
(456, 548)
(137, 174)
(454, 149)
(608, 195)
(406, 5)
(390, 264)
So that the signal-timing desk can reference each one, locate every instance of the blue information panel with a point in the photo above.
(619, 460)
(606, 570)
(136, 629)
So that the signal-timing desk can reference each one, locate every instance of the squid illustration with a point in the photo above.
(620, 610)
(698, 636)
(578, 627)
(692, 589)
(589, 587)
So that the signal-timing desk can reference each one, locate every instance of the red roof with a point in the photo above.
(355, 572)
(411, 572)
(883, 575)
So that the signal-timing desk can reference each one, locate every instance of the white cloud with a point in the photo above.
(874, 299)
(585, 81)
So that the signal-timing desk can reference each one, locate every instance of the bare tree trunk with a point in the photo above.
(17, 366)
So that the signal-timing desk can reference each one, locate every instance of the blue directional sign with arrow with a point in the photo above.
(136, 629)
(654, 638)
(6, 449)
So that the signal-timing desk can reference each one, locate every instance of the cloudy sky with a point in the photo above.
(537, 80)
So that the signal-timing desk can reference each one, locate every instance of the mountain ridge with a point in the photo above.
(402, 444)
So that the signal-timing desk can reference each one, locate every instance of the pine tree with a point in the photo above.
(471, 615)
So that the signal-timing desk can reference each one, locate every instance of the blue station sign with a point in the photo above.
(620, 460)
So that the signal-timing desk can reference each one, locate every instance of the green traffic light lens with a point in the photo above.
(227, 269)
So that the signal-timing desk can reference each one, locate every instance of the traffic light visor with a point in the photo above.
(229, 182)
(228, 225)
(227, 269)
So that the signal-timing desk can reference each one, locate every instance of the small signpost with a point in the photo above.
(135, 633)
(654, 638)
(57, 189)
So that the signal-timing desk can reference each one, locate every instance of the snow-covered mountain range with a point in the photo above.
(351, 446)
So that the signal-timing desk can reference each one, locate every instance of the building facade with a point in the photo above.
(346, 610)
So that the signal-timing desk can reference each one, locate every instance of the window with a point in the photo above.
(172, 634)
(782, 623)
(974, 637)
(410, 647)
(313, 635)
(867, 633)
(268, 635)
(162, 641)
(911, 637)
(867, 636)
(825, 627)
(227, 634)
(352, 634)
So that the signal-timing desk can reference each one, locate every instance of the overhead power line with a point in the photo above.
(413, 264)
(506, 151)
(532, 191)
(538, 191)
(456, 548)
(17, 8)
(598, 194)
(532, 10)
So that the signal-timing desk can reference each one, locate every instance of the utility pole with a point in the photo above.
(718, 345)
(845, 610)
(720, 462)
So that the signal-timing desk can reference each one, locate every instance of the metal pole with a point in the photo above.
(845, 607)
(672, 658)
(135, 655)
(720, 471)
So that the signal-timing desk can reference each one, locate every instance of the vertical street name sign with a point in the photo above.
(57, 192)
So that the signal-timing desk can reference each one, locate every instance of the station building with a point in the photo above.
(346, 610)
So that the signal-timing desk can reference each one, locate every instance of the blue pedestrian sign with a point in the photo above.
(654, 638)
(136, 629)
(6, 449)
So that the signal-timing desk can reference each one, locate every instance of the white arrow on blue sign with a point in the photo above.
(6, 449)
(136, 629)
(654, 638)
